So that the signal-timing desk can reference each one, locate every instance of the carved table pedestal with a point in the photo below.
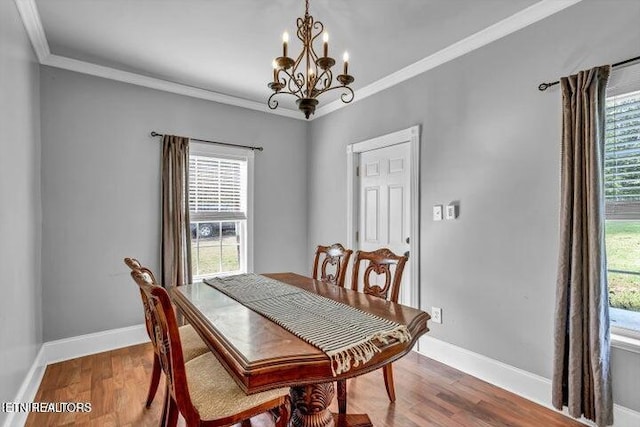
(310, 408)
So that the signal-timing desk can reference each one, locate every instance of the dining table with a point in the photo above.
(262, 354)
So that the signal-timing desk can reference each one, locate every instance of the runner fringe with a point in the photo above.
(361, 352)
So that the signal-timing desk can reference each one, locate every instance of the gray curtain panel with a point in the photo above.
(581, 371)
(176, 235)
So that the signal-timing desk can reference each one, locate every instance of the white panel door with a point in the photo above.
(384, 207)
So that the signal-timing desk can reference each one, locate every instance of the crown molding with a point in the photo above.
(160, 84)
(33, 24)
(534, 13)
(511, 24)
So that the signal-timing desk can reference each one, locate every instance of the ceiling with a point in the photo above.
(225, 47)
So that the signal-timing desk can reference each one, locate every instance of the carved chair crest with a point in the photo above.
(334, 265)
(133, 263)
(382, 262)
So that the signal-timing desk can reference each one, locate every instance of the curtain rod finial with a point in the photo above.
(544, 86)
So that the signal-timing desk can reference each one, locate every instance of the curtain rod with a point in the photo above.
(154, 133)
(544, 86)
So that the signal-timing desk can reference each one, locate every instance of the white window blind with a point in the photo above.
(622, 156)
(217, 188)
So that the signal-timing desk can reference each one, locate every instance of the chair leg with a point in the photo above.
(155, 379)
(341, 386)
(171, 419)
(387, 370)
(165, 407)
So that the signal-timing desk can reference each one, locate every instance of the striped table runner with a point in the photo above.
(347, 335)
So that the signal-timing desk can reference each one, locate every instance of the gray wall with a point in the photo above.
(20, 209)
(490, 140)
(101, 199)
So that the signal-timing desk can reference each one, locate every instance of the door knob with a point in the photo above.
(406, 254)
(408, 240)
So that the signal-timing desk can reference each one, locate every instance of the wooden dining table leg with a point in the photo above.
(341, 385)
(310, 405)
(310, 408)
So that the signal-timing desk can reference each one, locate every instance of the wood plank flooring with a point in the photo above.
(428, 394)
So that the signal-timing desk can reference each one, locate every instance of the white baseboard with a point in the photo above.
(528, 385)
(28, 390)
(83, 345)
(70, 348)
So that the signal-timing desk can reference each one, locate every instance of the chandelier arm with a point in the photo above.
(300, 23)
(298, 82)
(327, 77)
(299, 59)
(291, 79)
(285, 92)
(313, 38)
(273, 103)
(349, 95)
(317, 25)
(297, 62)
(327, 81)
(313, 54)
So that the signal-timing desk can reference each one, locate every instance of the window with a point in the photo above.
(622, 202)
(219, 206)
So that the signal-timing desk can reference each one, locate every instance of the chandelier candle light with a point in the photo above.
(309, 75)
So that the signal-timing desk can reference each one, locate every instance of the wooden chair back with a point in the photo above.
(166, 340)
(135, 265)
(381, 262)
(335, 259)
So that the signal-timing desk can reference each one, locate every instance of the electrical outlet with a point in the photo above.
(436, 314)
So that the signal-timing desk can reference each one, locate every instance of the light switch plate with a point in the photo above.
(437, 212)
(451, 212)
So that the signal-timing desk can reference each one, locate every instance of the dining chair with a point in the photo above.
(192, 344)
(390, 266)
(200, 389)
(333, 257)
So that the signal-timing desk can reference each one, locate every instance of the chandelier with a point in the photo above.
(309, 75)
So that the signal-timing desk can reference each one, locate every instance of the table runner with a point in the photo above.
(347, 335)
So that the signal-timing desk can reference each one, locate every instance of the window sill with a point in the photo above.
(625, 343)
(625, 329)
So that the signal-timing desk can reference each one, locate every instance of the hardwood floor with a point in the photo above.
(428, 394)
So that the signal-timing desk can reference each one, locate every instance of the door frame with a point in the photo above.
(412, 136)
